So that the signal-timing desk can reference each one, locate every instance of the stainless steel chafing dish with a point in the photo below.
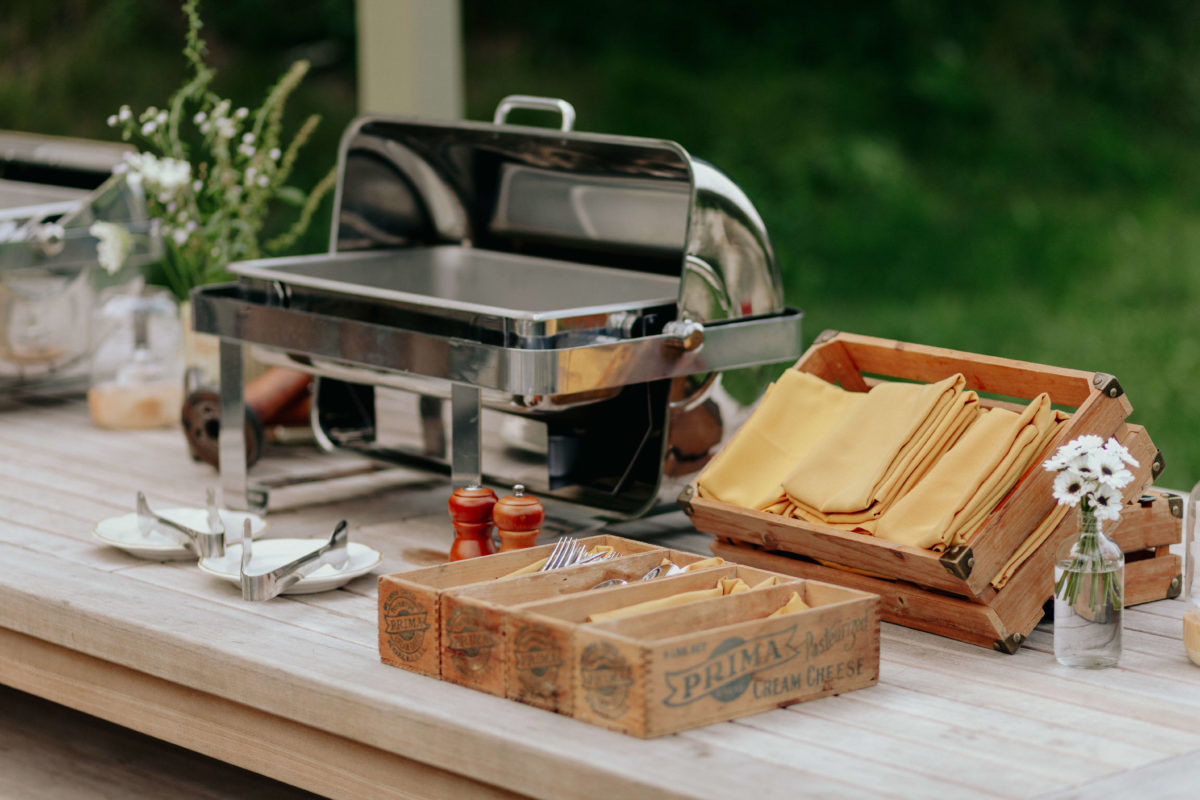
(561, 309)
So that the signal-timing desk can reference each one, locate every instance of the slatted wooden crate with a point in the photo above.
(649, 673)
(948, 593)
(1147, 530)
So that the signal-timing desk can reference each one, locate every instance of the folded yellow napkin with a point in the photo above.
(967, 483)
(704, 563)
(794, 603)
(882, 447)
(725, 586)
(796, 411)
(1029, 546)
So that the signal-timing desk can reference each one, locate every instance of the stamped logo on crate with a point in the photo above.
(405, 622)
(606, 678)
(730, 668)
(469, 642)
(538, 660)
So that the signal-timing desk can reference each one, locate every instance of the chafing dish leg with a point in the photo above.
(232, 441)
(465, 467)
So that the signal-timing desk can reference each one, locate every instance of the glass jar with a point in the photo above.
(1191, 584)
(1089, 592)
(137, 370)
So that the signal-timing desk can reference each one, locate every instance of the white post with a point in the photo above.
(410, 58)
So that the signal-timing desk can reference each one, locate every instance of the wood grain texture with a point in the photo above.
(293, 688)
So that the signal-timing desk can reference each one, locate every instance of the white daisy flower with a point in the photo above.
(124, 113)
(274, 153)
(1069, 489)
(1105, 503)
(149, 127)
(112, 120)
(1120, 451)
(200, 118)
(1109, 470)
(242, 112)
(248, 138)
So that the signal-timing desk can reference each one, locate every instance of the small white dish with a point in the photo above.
(268, 554)
(123, 532)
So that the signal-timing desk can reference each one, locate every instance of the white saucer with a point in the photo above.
(123, 532)
(271, 553)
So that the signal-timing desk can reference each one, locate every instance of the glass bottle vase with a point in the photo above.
(1089, 594)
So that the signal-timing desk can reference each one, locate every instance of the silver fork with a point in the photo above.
(270, 584)
(566, 549)
(205, 544)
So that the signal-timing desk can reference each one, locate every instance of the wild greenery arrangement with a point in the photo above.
(211, 172)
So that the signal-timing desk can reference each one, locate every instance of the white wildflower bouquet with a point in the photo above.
(1091, 475)
(210, 172)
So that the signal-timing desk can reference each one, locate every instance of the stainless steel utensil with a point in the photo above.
(662, 570)
(205, 544)
(270, 584)
(610, 582)
(564, 553)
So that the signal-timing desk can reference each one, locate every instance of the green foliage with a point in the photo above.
(1016, 179)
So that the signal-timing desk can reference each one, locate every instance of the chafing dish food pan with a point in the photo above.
(581, 313)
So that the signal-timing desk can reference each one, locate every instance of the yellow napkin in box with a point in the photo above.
(793, 604)
(881, 448)
(725, 586)
(796, 411)
(962, 488)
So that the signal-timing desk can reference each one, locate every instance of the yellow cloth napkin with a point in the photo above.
(1029, 546)
(967, 483)
(725, 586)
(704, 563)
(882, 447)
(797, 411)
(793, 604)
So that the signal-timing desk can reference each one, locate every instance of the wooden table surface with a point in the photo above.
(293, 688)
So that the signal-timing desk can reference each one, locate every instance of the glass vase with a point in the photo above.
(1191, 578)
(1089, 592)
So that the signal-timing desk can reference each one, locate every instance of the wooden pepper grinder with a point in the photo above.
(471, 513)
(518, 519)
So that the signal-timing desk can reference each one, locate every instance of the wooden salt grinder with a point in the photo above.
(518, 519)
(471, 513)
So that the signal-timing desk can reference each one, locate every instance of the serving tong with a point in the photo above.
(271, 584)
(205, 544)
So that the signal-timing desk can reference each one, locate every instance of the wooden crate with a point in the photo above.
(411, 626)
(474, 645)
(1146, 532)
(650, 673)
(538, 633)
(948, 593)
(675, 669)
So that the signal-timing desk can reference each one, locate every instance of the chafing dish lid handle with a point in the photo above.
(536, 104)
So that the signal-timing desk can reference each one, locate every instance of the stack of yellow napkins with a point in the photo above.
(795, 413)
(879, 451)
(966, 485)
(918, 464)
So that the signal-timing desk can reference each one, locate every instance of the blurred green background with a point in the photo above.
(1017, 179)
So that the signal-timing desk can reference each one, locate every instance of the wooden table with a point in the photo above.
(293, 688)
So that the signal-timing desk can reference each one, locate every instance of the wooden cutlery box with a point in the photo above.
(527, 637)
(948, 593)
